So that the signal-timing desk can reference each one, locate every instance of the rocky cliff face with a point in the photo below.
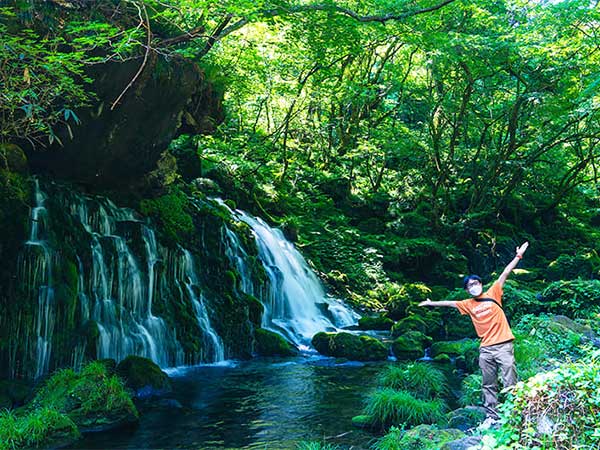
(116, 147)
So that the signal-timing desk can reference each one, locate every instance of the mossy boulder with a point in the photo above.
(269, 343)
(13, 158)
(13, 393)
(91, 398)
(408, 347)
(362, 421)
(375, 323)
(466, 352)
(353, 347)
(411, 323)
(466, 418)
(421, 437)
(143, 376)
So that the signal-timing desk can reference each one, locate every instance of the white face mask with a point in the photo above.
(475, 290)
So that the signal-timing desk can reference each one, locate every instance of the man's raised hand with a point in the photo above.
(522, 248)
(427, 302)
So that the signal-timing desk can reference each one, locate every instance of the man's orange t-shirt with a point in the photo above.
(488, 318)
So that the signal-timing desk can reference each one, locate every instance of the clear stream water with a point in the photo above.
(258, 404)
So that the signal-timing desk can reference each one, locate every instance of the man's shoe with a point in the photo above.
(488, 423)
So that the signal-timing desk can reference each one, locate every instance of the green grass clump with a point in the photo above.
(421, 379)
(391, 407)
(390, 441)
(92, 390)
(40, 428)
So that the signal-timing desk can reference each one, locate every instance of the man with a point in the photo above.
(496, 348)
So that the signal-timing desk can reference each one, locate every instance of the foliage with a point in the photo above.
(391, 407)
(574, 298)
(421, 379)
(346, 345)
(470, 390)
(557, 409)
(40, 428)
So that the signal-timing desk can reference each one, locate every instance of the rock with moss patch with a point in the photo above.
(269, 343)
(346, 345)
(362, 421)
(428, 437)
(466, 352)
(13, 393)
(143, 376)
(406, 347)
(91, 398)
(466, 418)
(465, 443)
(13, 158)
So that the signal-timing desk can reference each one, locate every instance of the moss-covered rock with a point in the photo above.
(375, 323)
(13, 158)
(421, 437)
(406, 347)
(346, 345)
(143, 376)
(466, 418)
(585, 264)
(466, 352)
(13, 393)
(362, 421)
(269, 343)
(91, 398)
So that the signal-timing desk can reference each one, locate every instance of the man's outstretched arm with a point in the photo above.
(440, 303)
(511, 265)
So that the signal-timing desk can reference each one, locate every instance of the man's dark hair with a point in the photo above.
(469, 278)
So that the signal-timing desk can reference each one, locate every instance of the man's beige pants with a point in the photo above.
(490, 359)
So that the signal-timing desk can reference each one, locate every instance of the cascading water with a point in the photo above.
(294, 299)
(119, 275)
(36, 278)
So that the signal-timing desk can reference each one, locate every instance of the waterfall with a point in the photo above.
(294, 299)
(121, 272)
(36, 278)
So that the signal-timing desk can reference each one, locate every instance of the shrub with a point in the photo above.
(585, 265)
(421, 379)
(391, 407)
(576, 298)
(557, 409)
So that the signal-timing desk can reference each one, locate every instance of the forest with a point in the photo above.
(208, 204)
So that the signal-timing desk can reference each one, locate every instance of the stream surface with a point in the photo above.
(258, 404)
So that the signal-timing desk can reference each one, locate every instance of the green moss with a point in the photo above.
(269, 343)
(406, 347)
(91, 398)
(422, 437)
(346, 345)
(139, 372)
(171, 212)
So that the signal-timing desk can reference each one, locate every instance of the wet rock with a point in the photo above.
(13, 158)
(143, 376)
(466, 443)
(269, 343)
(375, 323)
(466, 418)
(346, 345)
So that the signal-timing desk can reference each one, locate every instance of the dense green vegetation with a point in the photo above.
(400, 144)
